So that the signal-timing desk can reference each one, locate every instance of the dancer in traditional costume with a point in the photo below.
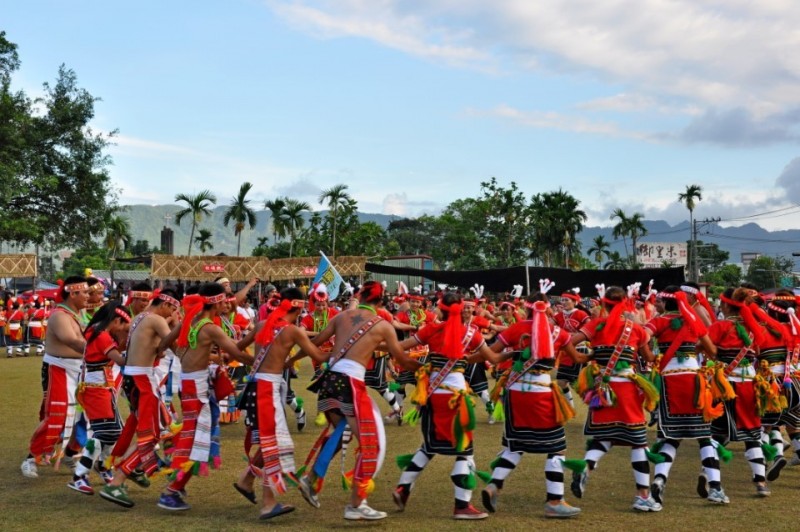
(96, 393)
(96, 291)
(320, 314)
(139, 298)
(447, 411)
(699, 303)
(15, 330)
(687, 407)
(777, 394)
(264, 401)
(36, 325)
(572, 316)
(195, 448)
(61, 366)
(344, 398)
(148, 337)
(535, 408)
(616, 394)
(783, 308)
(409, 322)
(737, 338)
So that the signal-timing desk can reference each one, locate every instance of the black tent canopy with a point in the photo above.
(504, 279)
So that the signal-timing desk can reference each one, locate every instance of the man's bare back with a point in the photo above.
(345, 324)
(209, 336)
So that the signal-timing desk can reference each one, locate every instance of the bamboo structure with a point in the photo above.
(18, 265)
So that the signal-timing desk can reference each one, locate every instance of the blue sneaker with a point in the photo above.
(172, 502)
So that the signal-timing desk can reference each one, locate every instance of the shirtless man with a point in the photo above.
(266, 419)
(198, 336)
(344, 399)
(64, 344)
(148, 337)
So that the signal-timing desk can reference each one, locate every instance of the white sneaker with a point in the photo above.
(363, 513)
(29, 469)
(646, 505)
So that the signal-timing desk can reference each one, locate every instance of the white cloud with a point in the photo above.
(559, 121)
(681, 56)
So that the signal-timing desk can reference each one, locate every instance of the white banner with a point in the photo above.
(660, 254)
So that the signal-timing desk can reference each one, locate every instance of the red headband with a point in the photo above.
(122, 314)
(267, 332)
(140, 294)
(570, 295)
(169, 299)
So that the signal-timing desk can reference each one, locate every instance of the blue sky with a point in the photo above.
(413, 103)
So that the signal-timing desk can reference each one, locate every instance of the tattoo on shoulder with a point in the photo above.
(357, 320)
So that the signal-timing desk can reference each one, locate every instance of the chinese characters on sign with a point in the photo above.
(214, 268)
(661, 254)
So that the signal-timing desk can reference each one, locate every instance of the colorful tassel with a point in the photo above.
(485, 476)
(651, 396)
(576, 465)
(770, 452)
(394, 387)
(499, 414)
(404, 460)
(656, 458)
(411, 418)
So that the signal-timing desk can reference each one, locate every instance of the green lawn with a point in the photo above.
(46, 502)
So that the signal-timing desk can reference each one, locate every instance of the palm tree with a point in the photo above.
(692, 193)
(197, 206)
(240, 213)
(203, 241)
(275, 208)
(621, 227)
(118, 236)
(615, 261)
(293, 215)
(600, 247)
(636, 229)
(336, 197)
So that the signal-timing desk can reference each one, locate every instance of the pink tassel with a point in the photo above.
(203, 469)
(217, 462)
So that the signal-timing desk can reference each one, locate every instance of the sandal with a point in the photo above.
(278, 509)
(249, 495)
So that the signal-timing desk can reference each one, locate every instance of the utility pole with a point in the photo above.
(695, 266)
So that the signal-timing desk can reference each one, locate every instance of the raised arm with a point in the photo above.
(218, 336)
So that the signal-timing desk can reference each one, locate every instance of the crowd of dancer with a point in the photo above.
(635, 357)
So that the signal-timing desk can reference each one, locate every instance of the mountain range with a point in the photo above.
(148, 220)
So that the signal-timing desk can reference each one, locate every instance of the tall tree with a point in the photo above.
(241, 214)
(636, 229)
(621, 227)
(278, 224)
(293, 216)
(689, 197)
(118, 237)
(335, 197)
(197, 206)
(615, 261)
(600, 247)
(203, 241)
(53, 167)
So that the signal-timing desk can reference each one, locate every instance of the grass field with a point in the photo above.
(46, 503)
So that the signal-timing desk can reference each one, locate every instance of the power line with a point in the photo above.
(795, 206)
(730, 237)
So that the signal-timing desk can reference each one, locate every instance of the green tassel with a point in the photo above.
(770, 452)
(290, 480)
(657, 445)
(469, 482)
(499, 413)
(345, 487)
(494, 463)
(300, 402)
(90, 445)
(656, 458)
(458, 432)
(301, 471)
(742, 333)
(526, 354)
(724, 454)
(471, 424)
(196, 468)
(517, 366)
(404, 460)
(675, 324)
(622, 364)
(589, 443)
(393, 387)
(485, 476)
(411, 418)
(576, 465)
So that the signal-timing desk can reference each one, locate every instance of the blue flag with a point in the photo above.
(327, 275)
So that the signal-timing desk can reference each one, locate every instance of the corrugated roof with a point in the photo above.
(123, 275)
